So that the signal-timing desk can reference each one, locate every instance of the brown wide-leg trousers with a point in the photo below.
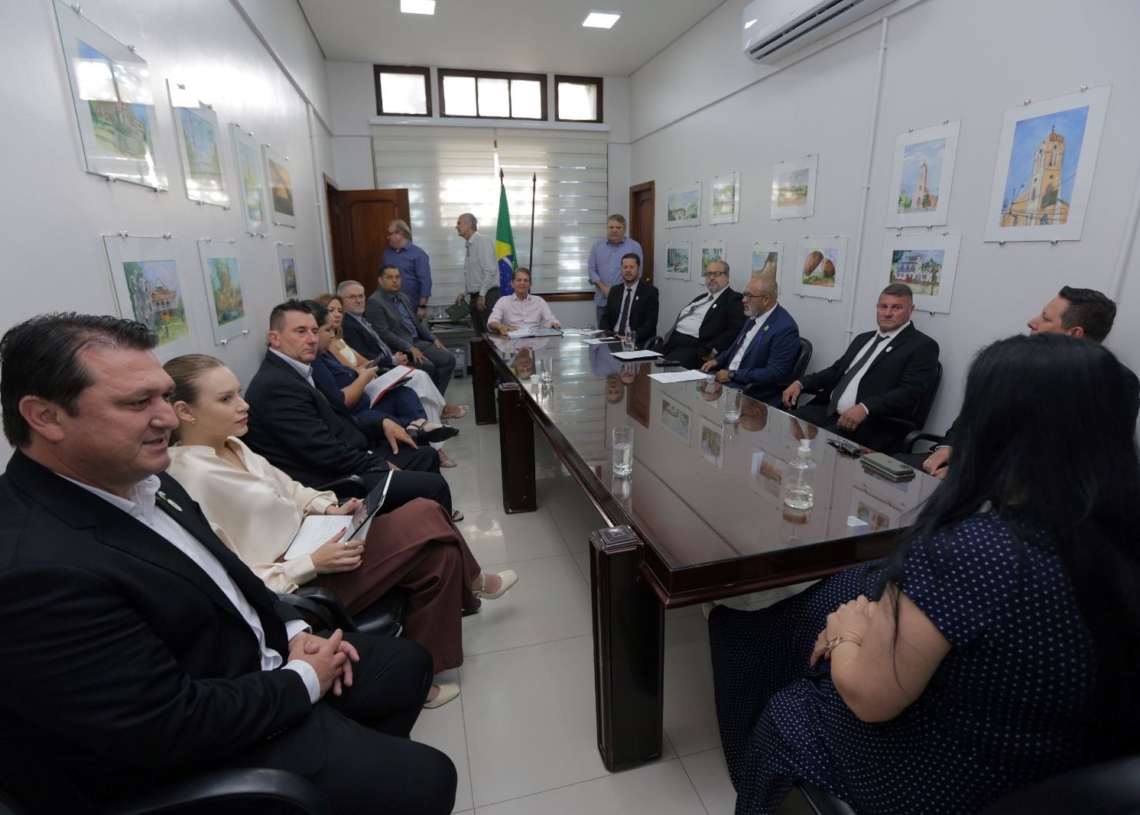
(416, 547)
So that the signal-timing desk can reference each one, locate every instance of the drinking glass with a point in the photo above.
(628, 345)
(623, 450)
(733, 400)
(546, 369)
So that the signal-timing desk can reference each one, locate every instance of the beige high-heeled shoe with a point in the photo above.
(509, 578)
(447, 692)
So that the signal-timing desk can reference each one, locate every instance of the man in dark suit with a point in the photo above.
(883, 375)
(392, 315)
(762, 356)
(294, 426)
(139, 649)
(1077, 312)
(631, 308)
(708, 324)
(360, 336)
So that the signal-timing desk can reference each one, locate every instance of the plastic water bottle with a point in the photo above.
(798, 490)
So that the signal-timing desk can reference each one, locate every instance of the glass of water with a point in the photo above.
(628, 345)
(733, 400)
(546, 369)
(623, 450)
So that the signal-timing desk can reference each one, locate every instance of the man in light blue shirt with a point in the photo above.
(413, 263)
(605, 261)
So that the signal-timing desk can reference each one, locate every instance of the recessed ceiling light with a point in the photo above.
(601, 19)
(417, 6)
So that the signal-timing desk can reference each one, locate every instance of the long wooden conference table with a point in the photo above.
(701, 517)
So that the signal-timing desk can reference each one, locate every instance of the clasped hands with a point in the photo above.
(850, 621)
(848, 419)
(331, 658)
(723, 375)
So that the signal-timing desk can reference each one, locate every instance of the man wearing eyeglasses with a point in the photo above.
(708, 324)
(413, 263)
(762, 356)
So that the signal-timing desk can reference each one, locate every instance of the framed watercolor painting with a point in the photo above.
(251, 186)
(280, 185)
(288, 266)
(114, 104)
(677, 260)
(221, 274)
(683, 206)
(148, 289)
(710, 251)
(767, 259)
(926, 263)
(793, 187)
(1046, 157)
(725, 199)
(196, 127)
(922, 176)
(820, 268)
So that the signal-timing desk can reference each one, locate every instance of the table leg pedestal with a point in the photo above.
(482, 381)
(516, 441)
(629, 650)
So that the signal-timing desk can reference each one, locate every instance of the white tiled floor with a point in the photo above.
(522, 732)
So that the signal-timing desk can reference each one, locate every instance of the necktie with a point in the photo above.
(623, 321)
(833, 408)
(372, 333)
(748, 324)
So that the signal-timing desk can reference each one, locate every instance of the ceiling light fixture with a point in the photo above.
(601, 19)
(417, 6)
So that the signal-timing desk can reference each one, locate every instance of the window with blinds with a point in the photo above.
(451, 170)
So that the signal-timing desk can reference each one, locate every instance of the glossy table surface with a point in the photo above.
(705, 493)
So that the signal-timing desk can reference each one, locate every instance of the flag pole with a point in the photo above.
(533, 197)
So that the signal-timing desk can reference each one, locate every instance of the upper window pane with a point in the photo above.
(404, 93)
(459, 96)
(494, 97)
(526, 99)
(577, 103)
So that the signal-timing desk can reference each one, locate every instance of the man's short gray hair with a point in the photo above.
(470, 219)
(617, 219)
(402, 227)
(342, 287)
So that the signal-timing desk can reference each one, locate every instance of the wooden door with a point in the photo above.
(359, 222)
(641, 207)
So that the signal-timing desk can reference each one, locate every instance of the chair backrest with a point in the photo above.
(922, 409)
(1110, 788)
(802, 359)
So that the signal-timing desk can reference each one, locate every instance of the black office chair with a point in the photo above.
(803, 357)
(917, 420)
(1109, 788)
(655, 344)
(252, 791)
(323, 609)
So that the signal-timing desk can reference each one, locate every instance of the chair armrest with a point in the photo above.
(821, 802)
(290, 791)
(655, 343)
(351, 486)
(328, 600)
(916, 436)
(315, 614)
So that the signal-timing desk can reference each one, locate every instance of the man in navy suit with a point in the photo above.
(762, 356)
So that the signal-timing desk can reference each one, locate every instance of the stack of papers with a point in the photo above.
(536, 331)
(680, 376)
(628, 355)
(584, 332)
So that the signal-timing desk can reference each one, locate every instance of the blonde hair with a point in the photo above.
(186, 370)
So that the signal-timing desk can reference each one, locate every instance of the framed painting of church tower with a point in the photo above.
(1045, 163)
(922, 175)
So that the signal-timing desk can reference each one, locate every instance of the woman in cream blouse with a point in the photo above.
(256, 510)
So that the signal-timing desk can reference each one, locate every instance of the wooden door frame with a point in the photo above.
(331, 191)
(646, 251)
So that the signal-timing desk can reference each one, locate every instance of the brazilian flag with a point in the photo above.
(505, 243)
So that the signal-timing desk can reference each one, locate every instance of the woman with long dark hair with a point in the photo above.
(1002, 643)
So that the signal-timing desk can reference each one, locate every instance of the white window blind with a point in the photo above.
(451, 170)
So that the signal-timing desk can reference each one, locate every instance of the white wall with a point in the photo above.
(701, 109)
(54, 213)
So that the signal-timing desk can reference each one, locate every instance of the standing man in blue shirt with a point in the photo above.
(605, 261)
(413, 263)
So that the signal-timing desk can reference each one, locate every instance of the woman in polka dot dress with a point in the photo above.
(1002, 644)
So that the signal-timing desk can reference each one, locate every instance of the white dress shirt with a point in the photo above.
(695, 313)
(300, 367)
(529, 312)
(734, 365)
(141, 507)
(847, 398)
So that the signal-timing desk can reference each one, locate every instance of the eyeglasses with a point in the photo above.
(716, 274)
(748, 296)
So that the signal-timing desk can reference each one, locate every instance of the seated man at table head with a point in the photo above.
(709, 323)
(631, 308)
(522, 309)
(139, 649)
(882, 375)
(763, 354)
(1077, 312)
(292, 424)
(393, 316)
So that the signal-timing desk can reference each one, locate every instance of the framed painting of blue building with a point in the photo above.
(114, 105)
(1045, 164)
(926, 263)
(922, 176)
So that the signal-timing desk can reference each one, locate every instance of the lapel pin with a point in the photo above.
(767, 327)
(162, 496)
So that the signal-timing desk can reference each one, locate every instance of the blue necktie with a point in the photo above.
(740, 339)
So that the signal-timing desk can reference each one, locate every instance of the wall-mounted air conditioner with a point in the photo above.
(775, 28)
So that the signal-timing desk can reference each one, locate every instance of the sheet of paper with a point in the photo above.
(593, 342)
(628, 355)
(582, 332)
(385, 382)
(680, 376)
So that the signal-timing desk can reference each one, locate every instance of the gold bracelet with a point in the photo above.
(835, 641)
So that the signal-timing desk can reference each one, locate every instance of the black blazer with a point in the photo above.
(299, 430)
(360, 341)
(642, 312)
(722, 321)
(124, 664)
(895, 380)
